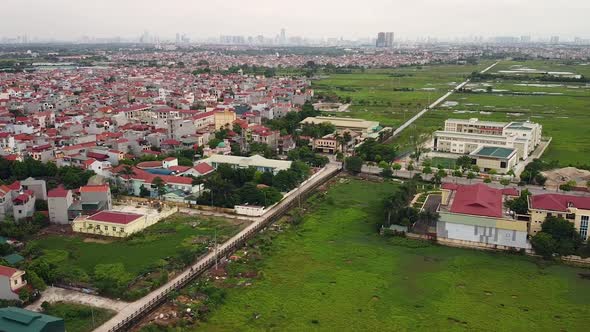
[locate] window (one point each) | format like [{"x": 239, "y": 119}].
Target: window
[{"x": 584, "y": 226}]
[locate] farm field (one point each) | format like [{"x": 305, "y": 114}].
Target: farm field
[
  {"x": 334, "y": 272},
  {"x": 78, "y": 317},
  {"x": 168, "y": 244},
  {"x": 373, "y": 91}
]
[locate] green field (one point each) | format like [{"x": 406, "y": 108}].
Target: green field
[
  {"x": 158, "y": 246},
  {"x": 78, "y": 317},
  {"x": 373, "y": 95},
  {"x": 334, "y": 272},
  {"x": 561, "y": 107}
]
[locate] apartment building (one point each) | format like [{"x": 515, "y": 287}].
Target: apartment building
[
  {"x": 576, "y": 209},
  {"x": 463, "y": 136}
]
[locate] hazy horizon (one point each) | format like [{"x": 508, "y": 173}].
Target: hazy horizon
[{"x": 68, "y": 19}]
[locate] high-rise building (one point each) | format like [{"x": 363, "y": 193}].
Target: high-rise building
[
  {"x": 283, "y": 38},
  {"x": 525, "y": 39},
  {"x": 554, "y": 40},
  {"x": 384, "y": 39}
]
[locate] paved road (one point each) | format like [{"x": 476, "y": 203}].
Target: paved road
[
  {"x": 133, "y": 307},
  {"x": 54, "y": 294},
  {"x": 374, "y": 170},
  {"x": 436, "y": 103}
]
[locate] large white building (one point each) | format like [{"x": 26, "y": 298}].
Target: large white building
[
  {"x": 464, "y": 136},
  {"x": 260, "y": 163}
]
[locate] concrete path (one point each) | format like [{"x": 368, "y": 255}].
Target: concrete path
[{"x": 54, "y": 294}]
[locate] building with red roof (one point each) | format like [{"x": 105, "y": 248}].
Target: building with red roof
[
  {"x": 473, "y": 215},
  {"x": 120, "y": 223},
  {"x": 575, "y": 209},
  {"x": 11, "y": 282}
]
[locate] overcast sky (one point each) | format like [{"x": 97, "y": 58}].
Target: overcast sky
[{"x": 71, "y": 19}]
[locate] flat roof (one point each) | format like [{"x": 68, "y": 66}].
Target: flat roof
[
  {"x": 494, "y": 152},
  {"x": 254, "y": 161}
]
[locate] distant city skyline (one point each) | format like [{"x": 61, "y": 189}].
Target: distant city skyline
[{"x": 199, "y": 20}]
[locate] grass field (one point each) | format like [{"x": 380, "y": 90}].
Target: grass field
[
  {"x": 78, "y": 317},
  {"x": 562, "y": 108},
  {"x": 334, "y": 272},
  {"x": 153, "y": 246},
  {"x": 373, "y": 91}
]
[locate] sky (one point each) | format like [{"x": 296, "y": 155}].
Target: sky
[{"x": 351, "y": 19}]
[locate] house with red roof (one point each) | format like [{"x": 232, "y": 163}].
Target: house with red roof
[
  {"x": 23, "y": 205},
  {"x": 474, "y": 216},
  {"x": 575, "y": 209},
  {"x": 11, "y": 282}
]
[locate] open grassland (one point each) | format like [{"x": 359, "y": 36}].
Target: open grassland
[
  {"x": 565, "y": 118},
  {"x": 334, "y": 272},
  {"x": 392, "y": 96},
  {"x": 78, "y": 317},
  {"x": 157, "y": 245}
]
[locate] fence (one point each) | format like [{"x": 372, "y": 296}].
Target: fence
[{"x": 226, "y": 249}]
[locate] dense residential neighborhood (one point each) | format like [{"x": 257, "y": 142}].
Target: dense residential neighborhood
[{"x": 172, "y": 167}]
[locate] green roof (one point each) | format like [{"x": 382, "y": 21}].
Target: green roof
[
  {"x": 221, "y": 145},
  {"x": 491, "y": 151},
  {"x": 21, "y": 320},
  {"x": 13, "y": 258}
]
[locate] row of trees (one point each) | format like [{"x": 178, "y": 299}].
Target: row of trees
[
  {"x": 70, "y": 177},
  {"x": 229, "y": 187}
]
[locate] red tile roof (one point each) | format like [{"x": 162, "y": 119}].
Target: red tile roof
[
  {"x": 94, "y": 188},
  {"x": 204, "y": 168},
  {"x": 479, "y": 200},
  {"x": 57, "y": 192},
  {"x": 115, "y": 217},
  {"x": 556, "y": 202},
  {"x": 7, "y": 271}
]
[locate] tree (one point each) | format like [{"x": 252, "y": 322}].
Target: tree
[
  {"x": 520, "y": 205},
  {"x": 470, "y": 176},
  {"x": 457, "y": 173},
  {"x": 159, "y": 185},
  {"x": 35, "y": 281},
  {"x": 382, "y": 164},
  {"x": 475, "y": 169},
  {"x": 387, "y": 173},
  {"x": 427, "y": 170},
  {"x": 464, "y": 162},
  {"x": 566, "y": 240},
  {"x": 544, "y": 244},
  {"x": 504, "y": 182},
  {"x": 487, "y": 180},
  {"x": 111, "y": 279},
  {"x": 396, "y": 167},
  {"x": 354, "y": 164},
  {"x": 127, "y": 171},
  {"x": 143, "y": 191}
]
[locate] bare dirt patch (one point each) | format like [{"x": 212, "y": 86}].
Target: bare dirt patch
[
  {"x": 557, "y": 177},
  {"x": 93, "y": 240}
]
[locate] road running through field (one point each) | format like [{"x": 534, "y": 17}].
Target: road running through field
[{"x": 436, "y": 103}]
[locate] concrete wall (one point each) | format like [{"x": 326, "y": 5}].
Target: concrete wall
[
  {"x": 482, "y": 234},
  {"x": 6, "y": 292}
]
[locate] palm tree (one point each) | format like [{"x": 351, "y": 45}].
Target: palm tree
[
  {"x": 128, "y": 172},
  {"x": 159, "y": 185}
]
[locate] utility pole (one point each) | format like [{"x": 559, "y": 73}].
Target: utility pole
[{"x": 215, "y": 246}]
